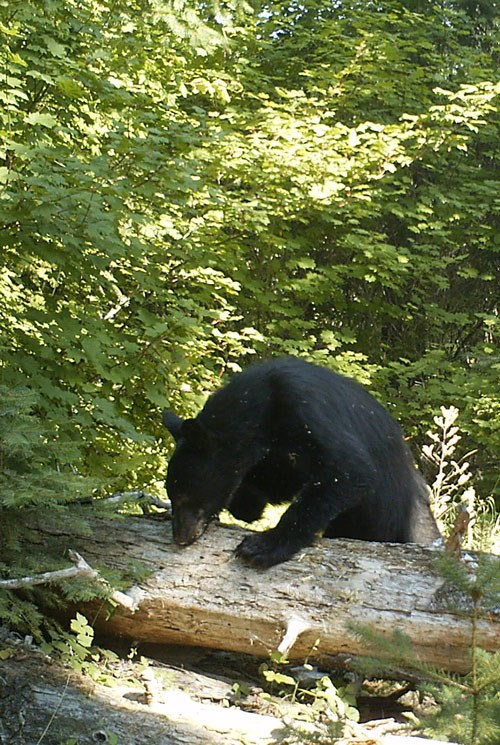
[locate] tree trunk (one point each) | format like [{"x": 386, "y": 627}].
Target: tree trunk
[{"x": 203, "y": 596}]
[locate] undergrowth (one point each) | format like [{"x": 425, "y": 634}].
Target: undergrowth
[{"x": 453, "y": 489}]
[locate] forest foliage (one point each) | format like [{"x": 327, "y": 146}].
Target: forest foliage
[{"x": 187, "y": 188}]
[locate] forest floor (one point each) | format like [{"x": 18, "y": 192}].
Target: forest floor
[{"x": 214, "y": 691}]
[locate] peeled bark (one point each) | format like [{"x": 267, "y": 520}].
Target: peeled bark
[{"x": 203, "y": 596}]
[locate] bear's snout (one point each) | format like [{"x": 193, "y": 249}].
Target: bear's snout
[{"x": 188, "y": 527}]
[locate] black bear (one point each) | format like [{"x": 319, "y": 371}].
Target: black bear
[{"x": 287, "y": 430}]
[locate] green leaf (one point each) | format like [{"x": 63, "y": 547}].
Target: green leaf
[{"x": 44, "y": 120}]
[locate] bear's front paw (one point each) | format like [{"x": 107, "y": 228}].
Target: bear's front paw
[{"x": 263, "y": 550}]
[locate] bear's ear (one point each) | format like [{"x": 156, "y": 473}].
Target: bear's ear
[
  {"x": 196, "y": 434},
  {"x": 173, "y": 423}
]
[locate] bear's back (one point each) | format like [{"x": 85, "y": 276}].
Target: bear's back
[{"x": 298, "y": 393}]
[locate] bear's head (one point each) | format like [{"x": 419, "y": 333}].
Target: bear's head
[{"x": 200, "y": 478}]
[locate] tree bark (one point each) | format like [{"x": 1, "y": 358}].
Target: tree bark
[{"x": 203, "y": 596}]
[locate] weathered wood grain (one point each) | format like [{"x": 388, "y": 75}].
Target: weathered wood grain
[{"x": 202, "y": 595}]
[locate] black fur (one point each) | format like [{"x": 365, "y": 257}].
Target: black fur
[{"x": 287, "y": 430}]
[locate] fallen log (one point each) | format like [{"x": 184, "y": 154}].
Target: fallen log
[
  {"x": 42, "y": 702},
  {"x": 203, "y": 596}
]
